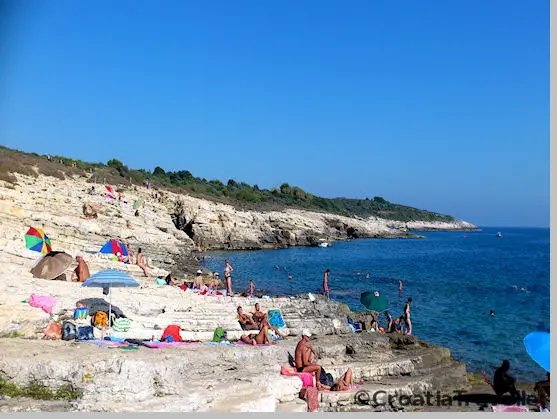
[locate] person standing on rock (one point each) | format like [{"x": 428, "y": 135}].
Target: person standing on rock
[
  {"x": 407, "y": 320},
  {"x": 227, "y": 277},
  {"x": 326, "y": 283}
]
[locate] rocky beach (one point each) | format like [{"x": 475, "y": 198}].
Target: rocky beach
[{"x": 170, "y": 228}]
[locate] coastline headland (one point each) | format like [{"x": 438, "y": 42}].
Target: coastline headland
[{"x": 170, "y": 228}]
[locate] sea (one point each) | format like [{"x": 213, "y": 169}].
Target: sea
[{"x": 453, "y": 278}]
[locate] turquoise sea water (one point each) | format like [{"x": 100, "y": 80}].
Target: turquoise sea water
[{"x": 454, "y": 279}]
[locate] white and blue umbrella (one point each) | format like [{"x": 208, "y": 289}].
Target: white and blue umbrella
[
  {"x": 537, "y": 346},
  {"x": 110, "y": 278}
]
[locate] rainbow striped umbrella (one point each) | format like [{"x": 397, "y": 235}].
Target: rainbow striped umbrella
[{"x": 37, "y": 240}]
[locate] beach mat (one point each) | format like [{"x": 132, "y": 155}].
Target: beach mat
[
  {"x": 505, "y": 408},
  {"x": 105, "y": 343},
  {"x": 169, "y": 344}
]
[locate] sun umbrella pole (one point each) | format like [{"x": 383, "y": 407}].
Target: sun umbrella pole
[{"x": 109, "y": 309}]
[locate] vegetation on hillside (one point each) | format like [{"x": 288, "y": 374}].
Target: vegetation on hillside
[{"x": 238, "y": 194}]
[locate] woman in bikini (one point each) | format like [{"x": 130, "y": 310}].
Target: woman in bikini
[
  {"x": 227, "y": 277},
  {"x": 343, "y": 383}
]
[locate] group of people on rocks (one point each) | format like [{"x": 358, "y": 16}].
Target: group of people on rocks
[{"x": 504, "y": 383}]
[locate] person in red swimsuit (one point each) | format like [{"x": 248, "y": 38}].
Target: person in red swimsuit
[{"x": 325, "y": 283}]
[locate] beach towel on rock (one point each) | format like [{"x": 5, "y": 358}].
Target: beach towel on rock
[
  {"x": 121, "y": 325},
  {"x": 173, "y": 331},
  {"x": 311, "y": 396},
  {"x": 275, "y": 318},
  {"x": 306, "y": 377},
  {"x": 43, "y": 302}
]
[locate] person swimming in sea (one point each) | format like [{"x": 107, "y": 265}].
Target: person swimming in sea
[{"x": 491, "y": 313}]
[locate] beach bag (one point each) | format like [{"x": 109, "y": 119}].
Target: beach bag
[
  {"x": 172, "y": 330},
  {"x": 219, "y": 335},
  {"x": 81, "y": 313},
  {"x": 53, "y": 331},
  {"x": 275, "y": 318},
  {"x": 85, "y": 333},
  {"x": 326, "y": 379},
  {"x": 68, "y": 331},
  {"x": 100, "y": 319},
  {"x": 160, "y": 281},
  {"x": 121, "y": 324}
]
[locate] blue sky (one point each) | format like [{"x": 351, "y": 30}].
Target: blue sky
[{"x": 441, "y": 105}]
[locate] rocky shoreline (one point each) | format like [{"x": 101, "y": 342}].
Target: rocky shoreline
[{"x": 171, "y": 229}]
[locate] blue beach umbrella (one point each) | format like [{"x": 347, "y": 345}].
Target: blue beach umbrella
[
  {"x": 537, "y": 346},
  {"x": 110, "y": 278}
]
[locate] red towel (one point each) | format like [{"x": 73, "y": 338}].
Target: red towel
[
  {"x": 311, "y": 396},
  {"x": 183, "y": 287},
  {"x": 174, "y": 331}
]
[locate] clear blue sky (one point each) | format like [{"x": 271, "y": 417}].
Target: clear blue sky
[{"x": 442, "y": 105}]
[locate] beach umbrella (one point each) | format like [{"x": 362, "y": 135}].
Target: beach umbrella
[
  {"x": 37, "y": 240},
  {"x": 373, "y": 301},
  {"x": 51, "y": 265},
  {"x": 137, "y": 203},
  {"x": 537, "y": 346},
  {"x": 113, "y": 247},
  {"x": 110, "y": 278}
]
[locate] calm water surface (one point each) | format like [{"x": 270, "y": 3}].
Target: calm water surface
[{"x": 454, "y": 279}]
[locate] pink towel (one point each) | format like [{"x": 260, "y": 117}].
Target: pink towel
[
  {"x": 311, "y": 396},
  {"x": 503, "y": 408},
  {"x": 169, "y": 344},
  {"x": 306, "y": 377},
  {"x": 43, "y": 302}
]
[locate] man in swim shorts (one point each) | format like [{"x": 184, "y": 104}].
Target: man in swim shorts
[{"x": 305, "y": 357}]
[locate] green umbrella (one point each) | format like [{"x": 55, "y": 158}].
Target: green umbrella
[{"x": 373, "y": 301}]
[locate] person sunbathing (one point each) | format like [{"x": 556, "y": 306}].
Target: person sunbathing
[
  {"x": 503, "y": 382},
  {"x": 81, "y": 272},
  {"x": 170, "y": 280},
  {"x": 305, "y": 358},
  {"x": 542, "y": 389},
  {"x": 142, "y": 263},
  {"x": 343, "y": 383},
  {"x": 261, "y": 319},
  {"x": 261, "y": 338},
  {"x": 245, "y": 320},
  {"x": 198, "y": 280}
]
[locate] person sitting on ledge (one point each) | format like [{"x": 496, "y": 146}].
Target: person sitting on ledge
[
  {"x": 542, "y": 392},
  {"x": 262, "y": 319},
  {"x": 305, "y": 358},
  {"x": 503, "y": 382},
  {"x": 198, "y": 280},
  {"x": 246, "y": 322},
  {"x": 81, "y": 272}
]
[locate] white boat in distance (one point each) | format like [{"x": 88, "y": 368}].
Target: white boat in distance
[{"x": 323, "y": 243}]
